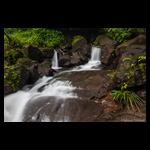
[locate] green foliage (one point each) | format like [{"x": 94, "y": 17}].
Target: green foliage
[
  {"x": 142, "y": 58},
  {"x": 12, "y": 55},
  {"x": 76, "y": 38},
  {"x": 41, "y": 37},
  {"x": 123, "y": 34},
  {"x": 128, "y": 97},
  {"x": 11, "y": 77}
]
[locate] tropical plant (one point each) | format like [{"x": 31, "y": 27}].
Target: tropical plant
[
  {"x": 128, "y": 97},
  {"x": 123, "y": 34}
]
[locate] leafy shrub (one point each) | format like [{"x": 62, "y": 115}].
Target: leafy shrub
[
  {"x": 11, "y": 77},
  {"x": 12, "y": 55},
  {"x": 38, "y": 36},
  {"x": 123, "y": 34}
]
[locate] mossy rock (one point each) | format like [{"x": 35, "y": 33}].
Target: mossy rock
[
  {"x": 97, "y": 41},
  {"x": 15, "y": 77},
  {"x": 25, "y": 62},
  {"x": 12, "y": 55},
  {"x": 79, "y": 42}
]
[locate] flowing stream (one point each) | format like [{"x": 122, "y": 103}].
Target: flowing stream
[{"x": 14, "y": 104}]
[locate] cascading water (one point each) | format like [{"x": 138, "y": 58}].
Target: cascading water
[
  {"x": 14, "y": 104},
  {"x": 55, "y": 61},
  {"x": 94, "y": 62}
]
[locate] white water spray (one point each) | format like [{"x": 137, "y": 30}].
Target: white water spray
[
  {"x": 55, "y": 61},
  {"x": 94, "y": 62},
  {"x": 14, "y": 104}
]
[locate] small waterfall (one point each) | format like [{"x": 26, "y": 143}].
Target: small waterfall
[
  {"x": 55, "y": 60},
  {"x": 95, "y": 54},
  {"x": 94, "y": 62}
]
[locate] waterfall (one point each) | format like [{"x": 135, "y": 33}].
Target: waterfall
[
  {"x": 15, "y": 104},
  {"x": 55, "y": 60},
  {"x": 95, "y": 54},
  {"x": 94, "y": 62}
]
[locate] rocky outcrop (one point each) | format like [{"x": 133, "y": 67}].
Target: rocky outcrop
[
  {"x": 33, "y": 73},
  {"x": 33, "y": 52},
  {"x": 47, "y": 52},
  {"x": 139, "y": 40},
  {"x": 59, "y": 110},
  {"x": 44, "y": 68},
  {"x": 64, "y": 61},
  {"x": 107, "y": 50}
]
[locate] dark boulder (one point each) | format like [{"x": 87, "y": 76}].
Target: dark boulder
[
  {"x": 79, "y": 44},
  {"x": 139, "y": 40},
  {"x": 33, "y": 52},
  {"x": 47, "y": 52},
  {"x": 33, "y": 73},
  {"x": 64, "y": 61},
  {"x": 44, "y": 68},
  {"x": 107, "y": 49}
]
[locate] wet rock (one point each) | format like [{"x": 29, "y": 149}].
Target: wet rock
[
  {"x": 64, "y": 61},
  {"x": 107, "y": 50},
  {"x": 33, "y": 73},
  {"x": 50, "y": 109},
  {"x": 44, "y": 68},
  {"x": 90, "y": 84}
]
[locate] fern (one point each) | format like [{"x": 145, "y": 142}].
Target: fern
[{"x": 129, "y": 98}]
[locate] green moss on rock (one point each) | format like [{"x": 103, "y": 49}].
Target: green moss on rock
[{"x": 77, "y": 38}]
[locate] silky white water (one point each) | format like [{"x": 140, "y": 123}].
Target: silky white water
[
  {"x": 93, "y": 63},
  {"x": 14, "y": 104},
  {"x": 55, "y": 61}
]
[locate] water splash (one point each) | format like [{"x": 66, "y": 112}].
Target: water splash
[
  {"x": 14, "y": 104},
  {"x": 94, "y": 63}
]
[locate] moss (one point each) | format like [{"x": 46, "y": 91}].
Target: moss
[
  {"x": 12, "y": 55},
  {"x": 100, "y": 37},
  {"x": 77, "y": 38},
  {"x": 11, "y": 77}
]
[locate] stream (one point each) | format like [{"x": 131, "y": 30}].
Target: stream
[{"x": 17, "y": 105}]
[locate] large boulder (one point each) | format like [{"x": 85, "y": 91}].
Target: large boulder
[
  {"x": 107, "y": 49},
  {"x": 129, "y": 70},
  {"x": 139, "y": 40},
  {"x": 33, "y": 73},
  {"x": 50, "y": 109},
  {"x": 79, "y": 42},
  {"x": 64, "y": 61},
  {"x": 33, "y": 52},
  {"x": 44, "y": 68},
  {"x": 47, "y": 52}
]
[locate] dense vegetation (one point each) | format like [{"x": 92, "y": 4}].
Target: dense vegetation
[
  {"x": 15, "y": 38},
  {"x": 38, "y": 36}
]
